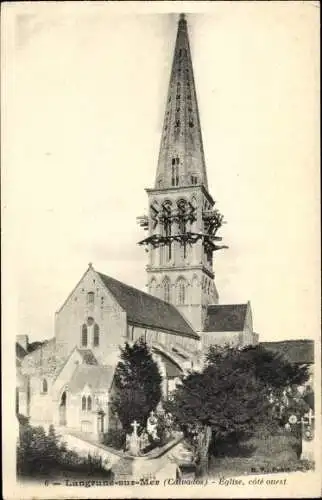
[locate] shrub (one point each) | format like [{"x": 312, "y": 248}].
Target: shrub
[
  {"x": 115, "y": 438},
  {"x": 39, "y": 454},
  {"x": 164, "y": 429}
]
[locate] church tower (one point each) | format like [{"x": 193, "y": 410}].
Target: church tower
[{"x": 182, "y": 222}]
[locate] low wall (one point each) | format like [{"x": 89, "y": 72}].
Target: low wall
[
  {"x": 83, "y": 448},
  {"x": 124, "y": 465}
]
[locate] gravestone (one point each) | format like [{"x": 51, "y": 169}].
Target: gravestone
[
  {"x": 307, "y": 424},
  {"x": 152, "y": 426},
  {"x": 134, "y": 441}
]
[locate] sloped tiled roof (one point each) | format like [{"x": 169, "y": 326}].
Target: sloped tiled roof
[
  {"x": 296, "y": 351},
  {"x": 172, "y": 369},
  {"x": 98, "y": 377},
  {"x": 226, "y": 318},
  {"x": 146, "y": 310},
  {"x": 88, "y": 356},
  {"x": 46, "y": 359}
]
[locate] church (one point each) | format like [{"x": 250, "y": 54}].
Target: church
[{"x": 68, "y": 380}]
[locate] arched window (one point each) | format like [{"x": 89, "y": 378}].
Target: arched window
[
  {"x": 195, "y": 290},
  {"x": 166, "y": 213},
  {"x": 84, "y": 336},
  {"x": 182, "y": 225},
  {"x": 89, "y": 403},
  {"x": 44, "y": 386},
  {"x": 90, "y": 298},
  {"x": 166, "y": 289},
  {"x": 181, "y": 291},
  {"x": 153, "y": 287},
  {"x": 96, "y": 339},
  {"x": 84, "y": 403}
]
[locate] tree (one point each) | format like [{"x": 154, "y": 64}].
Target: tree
[
  {"x": 35, "y": 345},
  {"x": 230, "y": 396},
  {"x": 137, "y": 385}
]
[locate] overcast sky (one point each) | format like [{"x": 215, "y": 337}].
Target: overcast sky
[{"x": 84, "y": 95}]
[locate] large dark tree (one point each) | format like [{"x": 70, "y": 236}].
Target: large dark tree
[
  {"x": 230, "y": 396},
  {"x": 137, "y": 385}
]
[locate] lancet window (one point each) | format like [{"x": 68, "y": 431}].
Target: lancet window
[
  {"x": 44, "y": 386},
  {"x": 182, "y": 205},
  {"x": 84, "y": 338},
  {"x": 181, "y": 290},
  {"x": 175, "y": 171},
  {"x": 167, "y": 228},
  {"x": 153, "y": 287},
  {"x": 86, "y": 403},
  {"x": 166, "y": 289},
  {"x": 96, "y": 338}
]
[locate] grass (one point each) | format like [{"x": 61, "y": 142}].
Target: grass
[{"x": 263, "y": 453}]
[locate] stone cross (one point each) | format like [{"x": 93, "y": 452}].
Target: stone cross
[
  {"x": 135, "y": 426},
  {"x": 308, "y": 436},
  {"x": 309, "y": 417}
]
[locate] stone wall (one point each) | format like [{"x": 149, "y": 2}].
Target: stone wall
[
  {"x": 101, "y": 306},
  {"x": 189, "y": 263},
  {"x": 167, "y": 339},
  {"x": 221, "y": 338}
]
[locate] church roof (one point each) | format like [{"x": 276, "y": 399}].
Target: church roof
[
  {"x": 45, "y": 359},
  {"x": 97, "y": 377},
  {"x": 296, "y": 351},
  {"x": 88, "y": 356},
  {"x": 146, "y": 310},
  {"x": 172, "y": 369},
  {"x": 20, "y": 351},
  {"x": 226, "y": 318}
]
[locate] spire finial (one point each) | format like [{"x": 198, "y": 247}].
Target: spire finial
[{"x": 181, "y": 156}]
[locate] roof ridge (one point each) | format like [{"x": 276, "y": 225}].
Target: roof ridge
[
  {"x": 230, "y": 304},
  {"x": 141, "y": 291},
  {"x": 131, "y": 286},
  {"x": 41, "y": 346},
  {"x": 115, "y": 287}
]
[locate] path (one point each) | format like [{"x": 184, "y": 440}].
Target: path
[{"x": 163, "y": 465}]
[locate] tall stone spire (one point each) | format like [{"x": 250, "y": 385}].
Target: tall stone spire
[
  {"x": 182, "y": 223},
  {"x": 181, "y": 158}
]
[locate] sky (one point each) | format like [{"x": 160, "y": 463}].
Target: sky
[{"x": 83, "y": 95}]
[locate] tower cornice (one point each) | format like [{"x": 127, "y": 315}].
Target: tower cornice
[
  {"x": 191, "y": 267},
  {"x": 181, "y": 189}
]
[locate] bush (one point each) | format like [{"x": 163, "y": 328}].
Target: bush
[
  {"x": 115, "y": 438},
  {"x": 257, "y": 465},
  {"x": 269, "y": 467},
  {"x": 40, "y": 454}
]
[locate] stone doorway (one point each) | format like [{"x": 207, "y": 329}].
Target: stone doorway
[{"x": 62, "y": 409}]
